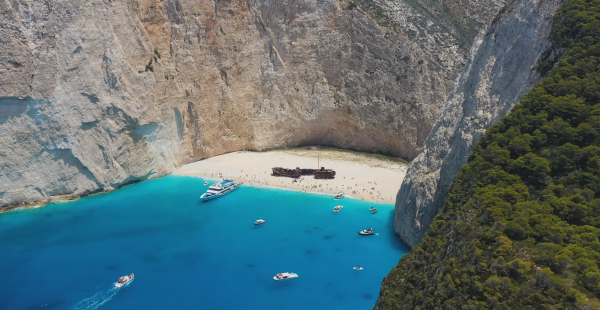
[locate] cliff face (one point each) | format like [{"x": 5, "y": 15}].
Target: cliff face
[
  {"x": 499, "y": 72},
  {"x": 444, "y": 29},
  {"x": 96, "y": 94}
]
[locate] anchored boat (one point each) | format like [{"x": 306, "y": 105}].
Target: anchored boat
[
  {"x": 366, "y": 232},
  {"x": 337, "y": 209},
  {"x": 219, "y": 189}
]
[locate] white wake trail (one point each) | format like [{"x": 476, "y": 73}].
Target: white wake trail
[{"x": 99, "y": 299}]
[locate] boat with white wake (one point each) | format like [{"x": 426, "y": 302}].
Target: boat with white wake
[
  {"x": 285, "y": 276},
  {"x": 358, "y": 268},
  {"x": 219, "y": 189},
  {"x": 124, "y": 280}
]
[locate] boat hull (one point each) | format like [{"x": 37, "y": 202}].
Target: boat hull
[
  {"x": 204, "y": 198},
  {"x": 292, "y": 276},
  {"x": 128, "y": 279}
]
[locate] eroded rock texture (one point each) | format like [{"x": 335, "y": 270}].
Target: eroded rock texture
[
  {"x": 444, "y": 29},
  {"x": 499, "y": 72},
  {"x": 95, "y": 94}
]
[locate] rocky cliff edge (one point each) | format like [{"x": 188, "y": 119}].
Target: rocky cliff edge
[{"x": 499, "y": 72}]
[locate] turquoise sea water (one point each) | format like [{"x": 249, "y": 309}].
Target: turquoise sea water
[{"x": 191, "y": 255}]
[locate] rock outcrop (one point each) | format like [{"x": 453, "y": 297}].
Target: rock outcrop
[
  {"x": 499, "y": 72},
  {"x": 96, "y": 94}
]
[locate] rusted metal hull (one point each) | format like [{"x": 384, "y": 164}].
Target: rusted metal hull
[
  {"x": 291, "y": 173},
  {"x": 325, "y": 174},
  {"x": 296, "y": 173}
]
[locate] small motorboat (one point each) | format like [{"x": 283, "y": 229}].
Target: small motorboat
[
  {"x": 358, "y": 268},
  {"x": 285, "y": 276},
  {"x": 124, "y": 280},
  {"x": 366, "y": 232},
  {"x": 372, "y": 208},
  {"x": 205, "y": 183},
  {"x": 258, "y": 222},
  {"x": 339, "y": 196},
  {"x": 337, "y": 209},
  {"x": 373, "y": 211}
]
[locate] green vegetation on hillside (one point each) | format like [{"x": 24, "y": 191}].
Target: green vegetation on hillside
[{"x": 520, "y": 228}]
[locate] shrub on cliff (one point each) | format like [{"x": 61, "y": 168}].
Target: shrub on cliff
[{"x": 520, "y": 228}]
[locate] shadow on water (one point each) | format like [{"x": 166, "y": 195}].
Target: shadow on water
[
  {"x": 112, "y": 267},
  {"x": 311, "y": 252},
  {"x": 395, "y": 242}
]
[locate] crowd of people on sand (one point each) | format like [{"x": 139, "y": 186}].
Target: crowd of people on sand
[{"x": 308, "y": 185}]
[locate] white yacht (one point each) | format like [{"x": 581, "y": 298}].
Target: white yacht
[
  {"x": 366, "y": 232},
  {"x": 339, "y": 196},
  {"x": 337, "y": 209},
  {"x": 219, "y": 189},
  {"x": 124, "y": 280},
  {"x": 285, "y": 276},
  {"x": 358, "y": 268},
  {"x": 258, "y": 222},
  {"x": 205, "y": 183}
]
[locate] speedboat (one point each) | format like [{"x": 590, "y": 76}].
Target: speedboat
[
  {"x": 205, "y": 183},
  {"x": 358, "y": 268},
  {"x": 258, "y": 222},
  {"x": 372, "y": 208},
  {"x": 337, "y": 209},
  {"x": 366, "y": 232},
  {"x": 373, "y": 211},
  {"x": 219, "y": 189},
  {"x": 285, "y": 276},
  {"x": 124, "y": 280},
  {"x": 339, "y": 196}
]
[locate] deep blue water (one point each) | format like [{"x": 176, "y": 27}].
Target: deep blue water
[{"x": 191, "y": 255}]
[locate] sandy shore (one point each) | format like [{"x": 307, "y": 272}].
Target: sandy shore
[{"x": 361, "y": 176}]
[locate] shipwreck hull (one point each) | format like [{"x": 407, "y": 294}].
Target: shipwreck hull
[{"x": 296, "y": 173}]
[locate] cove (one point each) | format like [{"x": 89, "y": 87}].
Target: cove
[{"x": 192, "y": 255}]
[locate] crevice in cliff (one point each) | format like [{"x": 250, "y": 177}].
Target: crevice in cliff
[{"x": 67, "y": 158}]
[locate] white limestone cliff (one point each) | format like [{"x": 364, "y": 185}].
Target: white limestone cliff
[
  {"x": 499, "y": 72},
  {"x": 100, "y": 93}
]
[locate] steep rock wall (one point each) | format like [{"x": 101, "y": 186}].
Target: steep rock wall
[
  {"x": 96, "y": 94},
  {"x": 444, "y": 29},
  {"x": 497, "y": 75}
]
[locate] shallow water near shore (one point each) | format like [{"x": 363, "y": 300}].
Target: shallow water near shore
[{"x": 192, "y": 255}]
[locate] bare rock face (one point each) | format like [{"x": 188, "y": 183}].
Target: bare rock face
[
  {"x": 100, "y": 93},
  {"x": 499, "y": 72},
  {"x": 444, "y": 29}
]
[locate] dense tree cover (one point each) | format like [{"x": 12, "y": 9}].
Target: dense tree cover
[{"x": 520, "y": 227}]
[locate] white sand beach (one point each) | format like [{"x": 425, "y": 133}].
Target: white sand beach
[{"x": 362, "y": 176}]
